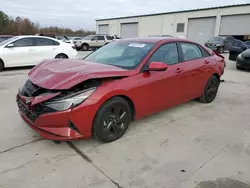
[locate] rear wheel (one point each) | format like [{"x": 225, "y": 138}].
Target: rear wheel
[
  {"x": 1, "y": 65},
  {"x": 112, "y": 120},
  {"x": 210, "y": 90},
  {"x": 61, "y": 56}
]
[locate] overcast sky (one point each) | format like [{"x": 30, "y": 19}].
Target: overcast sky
[{"x": 78, "y": 14}]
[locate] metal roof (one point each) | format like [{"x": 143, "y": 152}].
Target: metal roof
[{"x": 181, "y": 11}]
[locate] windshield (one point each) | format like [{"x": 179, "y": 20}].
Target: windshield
[
  {"x": 7, "y": 41},
  {"x": 123, "y": 54},
  {"x": 88, "y": 37},
  {"x": 216, "y": 39}
]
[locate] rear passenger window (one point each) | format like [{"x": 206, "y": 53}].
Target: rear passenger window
[
  {"x": 167, "y": 54},
  {"x": 190, "y": 51},
  {"x": 46, "y": 42}
]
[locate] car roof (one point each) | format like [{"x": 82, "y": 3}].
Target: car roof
[
  {"x": 6, "y": 35},
  {"x": 36, "y": 36},
  {"x": 156, "y": 39}
]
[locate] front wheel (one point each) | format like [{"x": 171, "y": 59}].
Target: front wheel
[
  {"x": 210, "y": 90},
  {"x": 112, "y": 120},
  {"x": 1, "y": 65}
]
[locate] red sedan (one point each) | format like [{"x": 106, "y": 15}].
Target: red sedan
[{"x": 120, "y": 82}]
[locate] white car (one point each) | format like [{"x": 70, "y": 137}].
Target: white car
[
  {"x": 31, "y": 50},
  {"x": 92, "y": 41}
]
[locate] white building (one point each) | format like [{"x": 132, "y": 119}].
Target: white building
[{"x": 197, "y": 25}]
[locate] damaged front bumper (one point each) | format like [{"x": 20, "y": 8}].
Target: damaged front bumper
[{"x": 71, "y": 124}]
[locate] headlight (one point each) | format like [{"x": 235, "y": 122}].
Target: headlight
[
  {"x": 218, "y": 44},
  {"x": 239, "y": 56},
  {"x": 70, "y": 101}
]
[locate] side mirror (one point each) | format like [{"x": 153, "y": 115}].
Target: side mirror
[
  {"x": 157, "y": 66},
  {"x": 10, "y": 45},
  {"x": 92, "y": 39}
]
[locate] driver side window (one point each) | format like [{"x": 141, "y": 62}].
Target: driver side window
[{"x": 167, "y": 53}]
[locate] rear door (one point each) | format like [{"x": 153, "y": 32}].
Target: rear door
[
  {"x": 195, "y": 74},
  {"x": 45, "y": 49},
  {"x": 22, "y": 53},
  {"x": 237, "y": 47}
]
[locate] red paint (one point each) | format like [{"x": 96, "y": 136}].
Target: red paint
[{"x": 150, "y": 91}]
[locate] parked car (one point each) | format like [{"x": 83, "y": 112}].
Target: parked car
[
  {"x": 120, "y": 82},
  {"x": 30, "y": 50},
  {"x": 73, "y": 40},
  {"x": 114, "y": 37},
  {"x": 220, "y": 43},
  {"x": 93, "y": 41},
  {"x": 247, "y": 43},
  {"x": 5, "y": 37},
  {"x": 240, "y": 52}
]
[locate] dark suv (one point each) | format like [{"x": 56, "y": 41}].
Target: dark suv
[{"x": 220, "y": 43}]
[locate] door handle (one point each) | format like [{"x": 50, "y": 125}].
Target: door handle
[
  {"x": 179, "y": 70},
  {"x": 207, "y": 62},
  {"x": 31, "y": 50}
]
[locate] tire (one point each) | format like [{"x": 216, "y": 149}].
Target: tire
[
  {"x": 1, "y": 65},
  {"x": 210, "y": 90},
  {"x": 221, "y": 50},
  {"x": 85, "y": 47},
  {"x": 112, "y": 120},
  {"x": 239, "y": 68},
  {"x": 61, "y": 56}
]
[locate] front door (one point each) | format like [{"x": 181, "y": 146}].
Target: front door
[
  {"x": 161, "y": 89},
  {"x": 237, "y": 47},
  {"x": 20, "y": 52}
]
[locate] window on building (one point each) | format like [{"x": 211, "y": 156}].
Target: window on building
[{"x": 180, "y": 27}]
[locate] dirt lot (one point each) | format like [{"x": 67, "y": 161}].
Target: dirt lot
[{"x": 187, "y": 146}]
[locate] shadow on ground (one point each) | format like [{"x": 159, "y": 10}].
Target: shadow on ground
[{"x": 223, "y": 183}]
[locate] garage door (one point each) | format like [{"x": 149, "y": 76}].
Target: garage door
[
  {"x": 104, "y": 29},
  {"x": 129, "y": 30},
  {"x": 235, "y": 25},
  {"x": 201, "y": 29}
]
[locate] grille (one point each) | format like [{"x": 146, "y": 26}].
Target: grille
[
  {"x": 247, "y": 58},
  {"x": 33, "y": 112},
  {"x": 31, "y": 115}
]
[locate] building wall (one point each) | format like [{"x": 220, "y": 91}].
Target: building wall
[{"x": 167, "y": 23}]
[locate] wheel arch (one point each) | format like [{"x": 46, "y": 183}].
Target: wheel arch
[
  {"x": 62, "y": 54},
  {"x": 85, "y": 43},
  {"x": 128, "y": 99},
  {"x": 2, "y": 62},
  {"x": 217, "y": 76}
]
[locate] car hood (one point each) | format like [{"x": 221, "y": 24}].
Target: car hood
[
  {"x": 246, "y": 53},
  {"x": 63, "y": 74}
]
